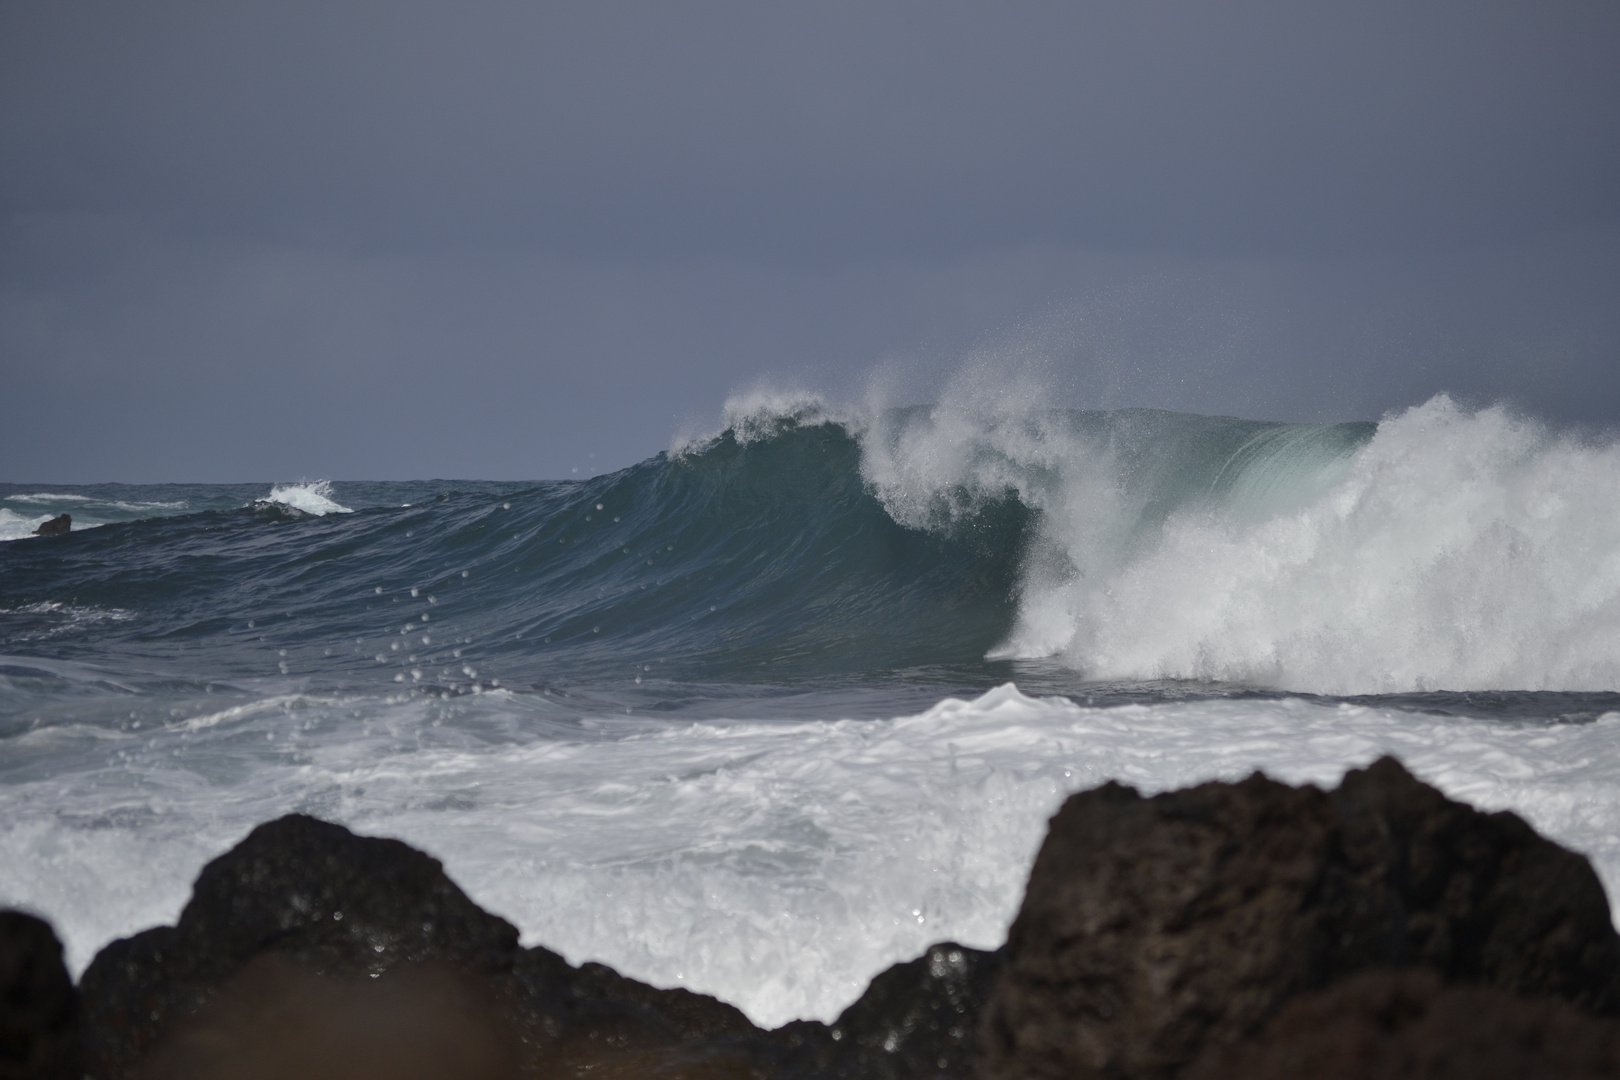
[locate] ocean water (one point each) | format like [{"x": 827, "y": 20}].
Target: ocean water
[{"x": 768, "y": 712}]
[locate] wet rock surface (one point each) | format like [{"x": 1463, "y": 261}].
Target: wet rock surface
[
  {"x": 1216, "y": 929},
  {"x": 917, "y": 1019},
  {"x": 1408, "y": 1025},
  {"x": 304, "y": 911},
  {"x": 39, "y": 1015},
  {"x": 1155, "y": 928}
]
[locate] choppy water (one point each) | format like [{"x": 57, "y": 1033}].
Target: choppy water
[{"x": 738, "y": 717}]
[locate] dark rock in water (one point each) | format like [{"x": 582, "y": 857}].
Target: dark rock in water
[
  {"x": 917, "y": 1019},
  {"x": 1409, "y": 1026},
  {"x": 310, "y": 893},
  {"x": 332, "y": 949},
  {"x": 56, "y": 526},
  {"x": 39, "y": 1013},
  {"x": 1155, "y": 928}
]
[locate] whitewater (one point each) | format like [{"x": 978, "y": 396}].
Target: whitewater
[{"x": 775, "y": 709}]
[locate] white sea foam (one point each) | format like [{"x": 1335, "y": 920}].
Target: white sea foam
[
  {"x": 54, "y": 619},
  {"x": 309, "y": 496},
  {"x": 777, "y": 865},
  {"x": 47, "y": 497},
  {"x": 15, "y": 526},
  {"x": 1455, "y": 550},
  {"x": 137, "y": 507}
]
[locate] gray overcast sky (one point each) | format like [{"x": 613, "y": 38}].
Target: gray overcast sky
[{"x": 504, "y": 240}]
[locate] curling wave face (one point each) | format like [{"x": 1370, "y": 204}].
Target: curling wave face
[{"x": 1441, "y": 550}]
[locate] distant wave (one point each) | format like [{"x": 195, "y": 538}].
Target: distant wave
[
  {"x": 313, "y": 497},
  {"x": 46, "y": 497}
]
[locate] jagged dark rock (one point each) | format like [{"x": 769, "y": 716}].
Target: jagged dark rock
[
  {"x": 1408, "y": 1025},
  {"x": 304, "y": 911},
  {"x": 58, "y": 525},
  {"x": 917, "y": 1019},
  {"x": 1153, "y": 929},
  {"x": 39, "y": 1015}
]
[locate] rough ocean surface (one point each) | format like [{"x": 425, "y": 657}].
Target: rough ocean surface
[{"x": 782, "y": 707}]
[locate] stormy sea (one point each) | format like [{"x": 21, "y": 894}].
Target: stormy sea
[{"x": 779, "y": 707}]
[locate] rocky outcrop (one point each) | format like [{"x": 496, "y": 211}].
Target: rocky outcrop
[
  {"x": 39, "y": 1016},
  {"x": 1213, "y": 929},
  {"x": 1155, "y": 928},
  {"x": 916, "y": 1020},
  {"x": 58, "y": 525},
  {"x": 1408, "y": 1025},
  {"x": 361, "y": 949}
]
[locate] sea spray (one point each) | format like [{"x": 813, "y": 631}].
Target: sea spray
[{"x": 1451, "y": 551}]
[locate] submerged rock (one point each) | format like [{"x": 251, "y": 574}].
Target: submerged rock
[
  {"x": 1408, "y": 1025},
  {"x": 39, "y": 1016},
  {"x": 1155, "y": 928}
]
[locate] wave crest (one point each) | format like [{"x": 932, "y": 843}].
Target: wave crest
[{"x": 313, "y": 497}]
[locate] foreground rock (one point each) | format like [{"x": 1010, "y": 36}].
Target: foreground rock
[
  {"x": 308, "y": 950},
  {"x": 1409, "y": 1026},
  {"x": 39, "y": 1017},
  {"x": 1196, "y": 926},
  {"x": 1155, "y": 928},
  {"x": 917, "y": 1019}
]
